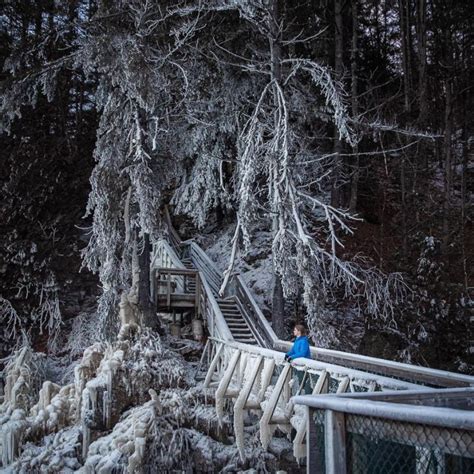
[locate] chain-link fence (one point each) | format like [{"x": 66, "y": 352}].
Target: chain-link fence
[
  {"x": 380, "y": 446},
  {"x": 376, "y": 445},
  {"x": 390, "y": 438}
]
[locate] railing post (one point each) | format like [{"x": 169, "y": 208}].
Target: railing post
[
  {"x": 168, "y": 292},
  {"x": 198, "y": 293},
  {"x": 335, "y": 437}
]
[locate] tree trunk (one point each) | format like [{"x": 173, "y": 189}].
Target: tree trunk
[
  {"x": 278, "y": 300},
  {"x": 421, "y": 40},
  {"x": 338, "y": 68},
  {"x": 144, "y": 291},
  {"x": 278, "y": 308},
  {"x": 448, "y": 132},
  {"x": 355, "y": 106},
  {"x": 404, "y": 207},
  {"x": 405, "y": 39}
]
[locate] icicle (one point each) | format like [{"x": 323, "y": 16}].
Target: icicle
[{"x": 12, "y": 434}]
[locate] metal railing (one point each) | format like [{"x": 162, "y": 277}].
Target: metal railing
[{"x": 416, "y": 431}]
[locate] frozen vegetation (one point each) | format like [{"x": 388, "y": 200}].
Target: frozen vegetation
[{"x": 132, "y": 406}]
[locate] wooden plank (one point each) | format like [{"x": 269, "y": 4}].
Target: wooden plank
[
  {"x": 343, "y": 384},
  {"x": 168, "y": 292},
  {"x": 201, "y": 360},
  {"x": 198, "y": 295},
  {"x": 229, "y": 371},
  {"x": 240, "y": 404},
  {"x": 335, "y": 442}
]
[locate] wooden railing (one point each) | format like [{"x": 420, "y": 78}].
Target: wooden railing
[
  {"x": 173, "y": 236},
  {"x": 163, "y": 256},
  {"x": 212, "y": 314},
  {"x": 167, "y": 287},
  {"x": 257, "y": 378},
  {"x": 387, "y": 368},
  {"x": 204, "y": 264},
  {"x": 266, "y": 337}
]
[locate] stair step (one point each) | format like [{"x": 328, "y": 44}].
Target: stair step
[
  {"x": 235, "y": 320},
  {"x": 238, "y": 327},
  {"x": 246, "y": 341},
  {"x": 242, "y": 334}
]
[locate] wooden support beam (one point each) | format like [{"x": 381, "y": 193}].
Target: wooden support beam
[
  {"x": 224, "y": 384},
  {"x": 239, "y": 405},
  {"x": 213, "y": 365},
  {"x": 266, "y": 419},
  {"x": 201, "y": 360},
  {"x": 198, "y": 295},
  {"x": 343, "y": 384},
  {"x": 168, "y": 291}
]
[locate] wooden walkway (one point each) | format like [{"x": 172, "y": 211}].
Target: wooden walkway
[{"x": 243, "y": 361}]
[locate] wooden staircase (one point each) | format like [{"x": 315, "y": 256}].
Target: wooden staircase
[
  {"x": 229, "y": 307},
  {"x": 235, "y": 321},
  {"x": 191, "y": 284}
]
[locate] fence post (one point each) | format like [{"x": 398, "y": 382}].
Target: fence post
[
  {"x": 313, "y": 465},
  {"x": 335, "y": 437}
]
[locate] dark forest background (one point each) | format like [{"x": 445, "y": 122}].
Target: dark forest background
[{"x": 407, "y": 69}]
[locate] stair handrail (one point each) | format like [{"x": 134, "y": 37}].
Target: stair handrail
[
  {"x": 383, "y": 367},
  {"x": 204, "y": 264},
  {"x": 162, "y": 245},
  {"x": 163, "y": 256},
  {"x": 174, "y": 237},
  {"x": 216, "y": 323},
  {"x": 256, "y": 321},
  {"x": 247, "y": 301},
  {"x": 334, "y": 370}
]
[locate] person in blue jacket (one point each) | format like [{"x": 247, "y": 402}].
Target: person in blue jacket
[{"x": 301, "y": 345}]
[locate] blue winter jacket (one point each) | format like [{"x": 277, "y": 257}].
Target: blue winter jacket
[{"x": 300, "y": 348}]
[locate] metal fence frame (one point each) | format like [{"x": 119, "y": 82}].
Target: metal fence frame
[{"x": 443, "y": 409}]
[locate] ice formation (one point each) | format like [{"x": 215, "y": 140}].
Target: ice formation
[{"x": 133, "y": 406}]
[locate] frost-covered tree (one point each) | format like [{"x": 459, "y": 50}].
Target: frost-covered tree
[{"x": 283, "y": 172}]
